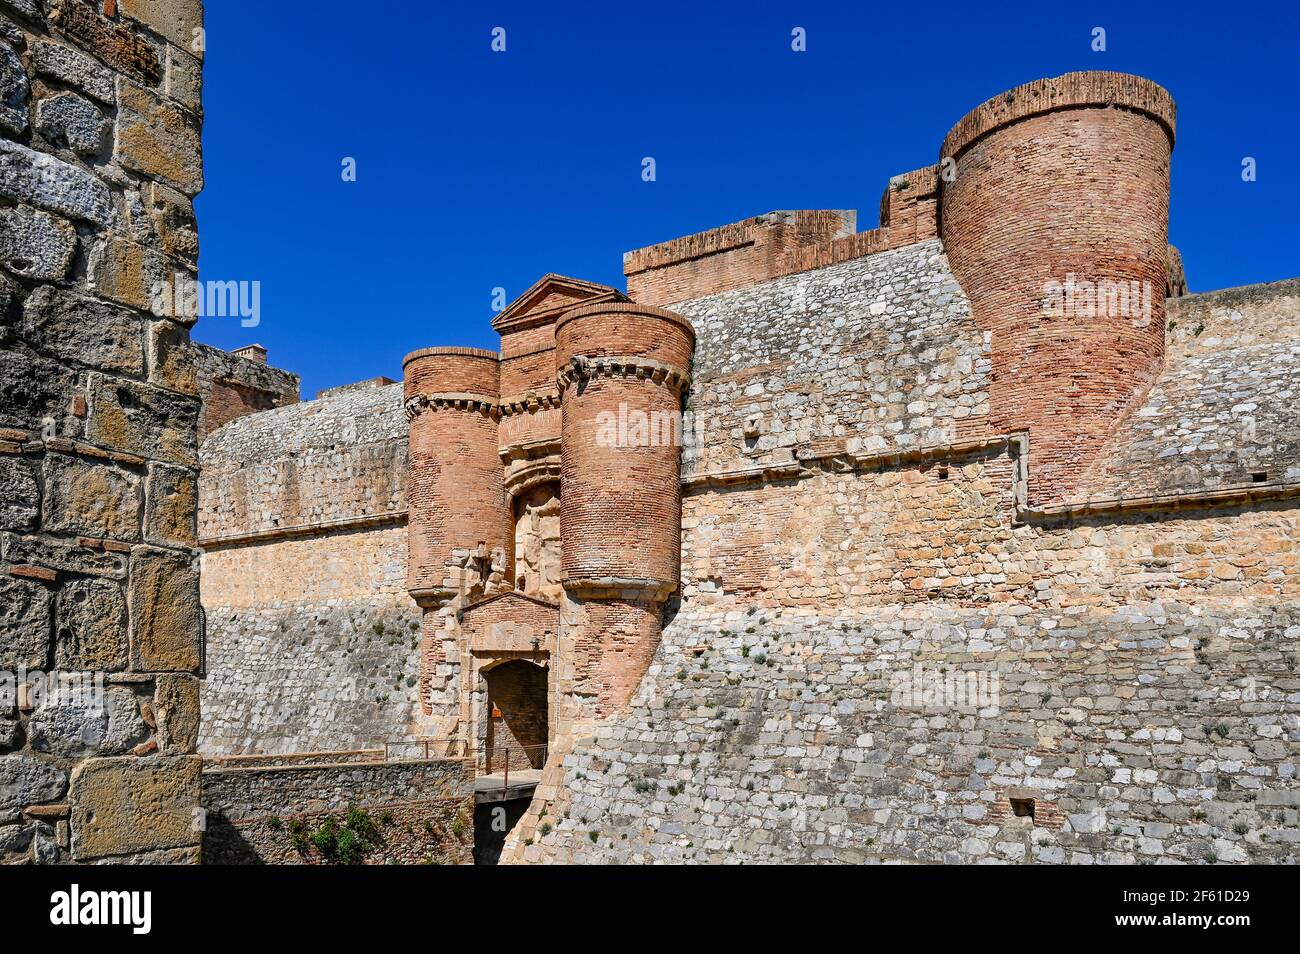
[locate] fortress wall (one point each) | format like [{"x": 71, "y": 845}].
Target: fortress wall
[
  {"x": 1146, "y": 692},
  {"x": 312, "y": 637},
  {"x": 232, "y": 384},
  {"x": 880, "y": 349},
  {"x": 100, "y": 160}
]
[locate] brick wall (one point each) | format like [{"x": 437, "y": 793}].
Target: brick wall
[
  {"x": 99, "y": 162},
  {"x": 232, "y": 385}
]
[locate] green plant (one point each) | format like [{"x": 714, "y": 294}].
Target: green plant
[
  {"x": 349, "y": 847},
  {"x": 325, "y": 837},
  {"x": 274, "y": 823},
  {"x": 594, "y": 836},
  {"x": 361, "y": 824},
  {"x": 546, "y": 830}
]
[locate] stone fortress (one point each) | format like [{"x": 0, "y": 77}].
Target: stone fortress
[
  {"x": 903, "y": 468},
  {"x": 968, "y": 538}
]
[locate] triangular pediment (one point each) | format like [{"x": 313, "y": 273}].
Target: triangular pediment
[
  {"x": 551, "y": 296},
  {"x": 509, "y": 596}
]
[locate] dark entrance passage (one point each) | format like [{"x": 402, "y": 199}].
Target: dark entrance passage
[
  {"x": 516, "y": 718},
  {"x": 492, "y": 822}
]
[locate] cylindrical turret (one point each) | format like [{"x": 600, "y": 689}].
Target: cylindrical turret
[
  {"x": 622, "y": 369},
  {"x": 1054, "y": 215},
  {"x": 458, "y": 515}
]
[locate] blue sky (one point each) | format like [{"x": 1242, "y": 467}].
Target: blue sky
[{"x": 478, "y": 170}]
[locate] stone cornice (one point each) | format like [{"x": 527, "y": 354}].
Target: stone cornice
[
  {"x": 481, "y": 403},
  {"x": 622, "y": 366}
]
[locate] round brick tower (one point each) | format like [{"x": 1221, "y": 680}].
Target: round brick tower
[
  {"x": 1055, "y": 220},
  {"x": 456, "y": 499},
  {"x": 621, "y": 371}
]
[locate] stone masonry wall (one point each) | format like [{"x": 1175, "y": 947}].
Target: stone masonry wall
[
  {"x": 417, "y": 812},
  {"x": 100, "y": 118},
  {"x": 313, "y": 641},
  {"x": 1134, "y": 676}
]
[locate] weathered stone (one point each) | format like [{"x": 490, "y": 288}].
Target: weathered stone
[
  {"x": 14, "y": 90},
  {"x": 27, "y": 8},
  {"x": 143, "y": 420},
  {"x": 125, "y": 805},
  {"x": 14, "y": 839},
  {"x": 74, "y": 68},
  {"x": 91, "y": 627},
  {"x": 20, "y": 496},
  {"x": 83, "y": 726},
  {"x": 26, "y": 608},
  {"x": 34, "y": 390},
  {"x": 166, "y": 619},
  {"x": 25, "y": 780},
  {"x": 30, "y": 176},
  {"x": 114, "y": 43},
  {"x": 180, "y": 21},
  {"x": 174, "y": 219},
  {"x": 176, "y": 702},
  {"x": 84, "y": 330},
  {"x": 171, "y": 358},
  {"x": 73, "y": 556},
  {"x": 184, "y": 79},
  {"x": 158, "y": 140},
  {"x": 8, "y": 732},
  {"x": 171, "y": 502},
  {"x": 68, "y": 119},
  {"x": 35, "y": 244},
  {"x": 90, "y": 498},
  {"x": 128, "y": 272}
]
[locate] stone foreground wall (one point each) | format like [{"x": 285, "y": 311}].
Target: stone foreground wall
[
  {"x": 99, "y": 161},
  {"x": 313, "y": 642},
  {"x": 1134, "y": 676},
  {"x": 418, "y": 812}
]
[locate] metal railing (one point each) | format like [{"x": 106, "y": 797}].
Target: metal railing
[
  {"x": 426, "y": 749},
  {"x": 534, "y": 756}
]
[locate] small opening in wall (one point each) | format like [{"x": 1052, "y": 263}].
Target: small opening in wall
[
  {"x": 1023, "y": 808},
  {"x": 1259, "y": 476},
  {"x": 943, "y": 472}
]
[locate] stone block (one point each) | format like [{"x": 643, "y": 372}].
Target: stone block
[
  {"x": 26, "y": 780},
  {"x": 176, "y": 704},
  {"x": 143, "y": 420},
  {"x": 173, "y": 215},
  {"x": 166, "y": 618},
  {"x": 84, "y": 330},
  {"x": 128, "y": 272},
  {"x": 14, "y": 90},
  {"x": 9, "y": 731},
  {"x": 90, "y": 498},
  {"x": 32, "y": 390},
  {"x": 158, "y": 140},
  {"x": 114, "y": 43},
  {"x": 26, "y": 612},
  {"x": 177, "y": 20},
  {"x": 27, "y": 8},
  {"x": 171, "y": 505},
  {"x": 171, "y": 358},
  {"x": 184, "y": 79},
  {"x": 20, "y": 496},
  {"x": 81, "y": 726},
  {"x": 90, "y": 629},
  {"x": 125, "y": 805},
  {"x": 35, "y": 244},
  {"x": 30, "y": 176},
  {"x": 67, "y": 119},
  {"x": 74, "y": 68},
  {"x": 84, "y": 557}
]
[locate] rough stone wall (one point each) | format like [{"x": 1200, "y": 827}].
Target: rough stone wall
[
  {"x": 1142, "y": 671},
  {"x": 99, "y": 161},
  {"x": 312, "y": 639},
  {"x": 414, "y": 812},
  {"x": 881, "y": 349},
  {"x": 232, "y": 385}
]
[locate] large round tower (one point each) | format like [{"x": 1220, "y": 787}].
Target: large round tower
[
  {"x": 1054, "y": 214},
  {"x": 621, "y": 371},
  {"x": 458, "y": 515}
]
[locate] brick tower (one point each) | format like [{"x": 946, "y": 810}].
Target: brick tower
[
  {"x": 621, "y": 371},
  {"x": 1054, "y": 214}
]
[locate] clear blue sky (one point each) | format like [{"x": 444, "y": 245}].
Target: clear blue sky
[{"x": 478, "y": 169}]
